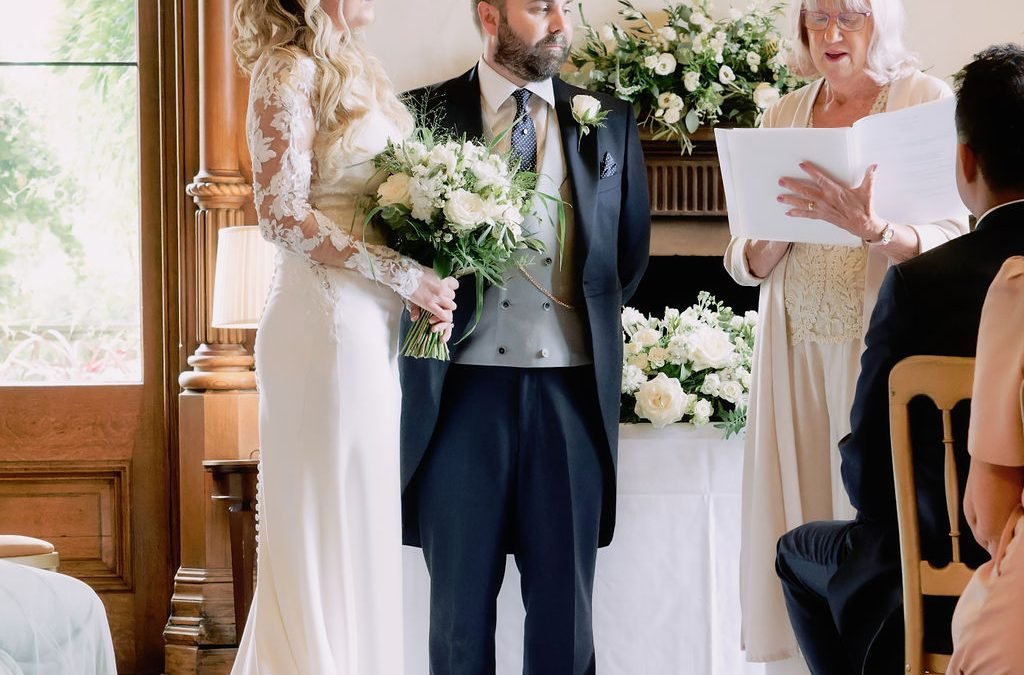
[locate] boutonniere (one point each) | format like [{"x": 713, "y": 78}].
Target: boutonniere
[{"x": 586, "y": 110}]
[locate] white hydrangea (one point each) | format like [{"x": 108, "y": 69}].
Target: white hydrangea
[{"x": 632, "y": 378}]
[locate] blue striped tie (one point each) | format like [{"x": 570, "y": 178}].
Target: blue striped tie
[{"x": 524, "y": 134}]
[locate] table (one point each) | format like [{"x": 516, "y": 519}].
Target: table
[
  {"x": 666, "y": 596},
  {"x": 234, "y": 482}
]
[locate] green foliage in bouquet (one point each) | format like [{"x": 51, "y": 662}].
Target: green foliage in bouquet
[
  {"x": 689, "y": 366},
  {"x": 689, "y": 70}
]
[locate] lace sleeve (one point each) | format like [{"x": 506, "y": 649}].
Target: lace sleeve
[{"x": 280, "y": 131}]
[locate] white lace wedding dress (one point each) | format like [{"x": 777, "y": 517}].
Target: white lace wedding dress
[{"x": 328, "y": 594}]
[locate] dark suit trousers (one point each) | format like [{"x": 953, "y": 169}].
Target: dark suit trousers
[
  {"x": 807, "y": 559},
  {"x": 516, "y": 465}
]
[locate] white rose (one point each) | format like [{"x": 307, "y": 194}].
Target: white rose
[
  {"x": 661, "y": 401},
  {"x": 668, "y": 33},
  {"x": 691, "y": 80},
  {"x": 465, "y": 210},
  {"x": 753, "y": 60},
  {"x": 444, "y": 157},
  {"x": 607, "y": 32},
  {"x": 414, "y": 152},
  {"x": 639, "y": 360},
  {"x": 651, "y": 62},
  {"x": 712, "y": 385},
  {"x": 698, "y": 19},
  {"x": 632, "y": 378},
  {"x": 631, "y": 318},
  {"x": 632, "y": 349},
  {"x": 666, "y": 64},
  {"x": 731, "y": 391},
  {"x": 395, "y": 190},
  {"x": 487, "y": 174},
  {"x": 711, "y": 348},
  {"x": 657, "y": 357},
  {"x": 672, "y": 115},
  {"x": 764, "y": 96},
  {"x": 702, "y": 412},
  {"x": 647, "y": 337},
  {"x": 585, "y": 108},
  {"x": 725, "y": 75}
]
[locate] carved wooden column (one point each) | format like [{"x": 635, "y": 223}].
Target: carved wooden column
[{"x": 218, "y": 404}]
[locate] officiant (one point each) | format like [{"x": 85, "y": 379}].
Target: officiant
[{"x": 814, "y": 299}]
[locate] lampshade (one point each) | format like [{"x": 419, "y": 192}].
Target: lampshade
[{"x": 245, "y": 268}]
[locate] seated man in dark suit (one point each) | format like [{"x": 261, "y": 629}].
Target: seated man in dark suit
[{"x": 842, "y": 579}]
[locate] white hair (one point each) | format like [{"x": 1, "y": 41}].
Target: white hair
[{"x": 888, "y": 57}]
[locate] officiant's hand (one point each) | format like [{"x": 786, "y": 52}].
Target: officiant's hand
[{"x": 820, "y": 197}]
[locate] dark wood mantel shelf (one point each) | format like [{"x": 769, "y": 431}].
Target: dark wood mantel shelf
[{"x": 687, "y": 198}]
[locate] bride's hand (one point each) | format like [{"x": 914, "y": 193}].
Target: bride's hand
[{"x": 436, "y": 296}]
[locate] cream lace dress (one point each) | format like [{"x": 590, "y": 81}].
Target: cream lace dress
[
  {"x": 328, "y": 594},
  {"x": 813, "y": 308}
]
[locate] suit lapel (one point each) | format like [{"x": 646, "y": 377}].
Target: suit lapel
[{"x": 581, "y": 165}]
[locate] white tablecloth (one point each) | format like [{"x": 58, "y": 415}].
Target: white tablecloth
[
  {"x": 666, "y": 599},
  {"x": 51, "y": 624}
]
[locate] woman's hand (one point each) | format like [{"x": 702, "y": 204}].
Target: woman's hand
[
  {"x": 436, "y": 296},
  {"x": 822, "y": 198},
  {"x": 992, "y": 493}
]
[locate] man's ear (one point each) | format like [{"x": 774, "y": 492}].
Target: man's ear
[
  {"x": 968, "y": 161},
  {"x": 489, "y": 16}
]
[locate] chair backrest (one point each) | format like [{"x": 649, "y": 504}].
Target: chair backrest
[{"x": 946, "y": 380}]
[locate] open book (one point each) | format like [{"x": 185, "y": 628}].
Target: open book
[{"x": 915, "y": 149}]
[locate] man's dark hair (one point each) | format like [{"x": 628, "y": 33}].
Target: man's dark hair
[
  {"x": 990, "y": 113},
  {"x": 500, "y": 4}
]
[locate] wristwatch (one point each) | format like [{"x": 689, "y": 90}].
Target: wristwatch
[{"x": 886, "y": 236}]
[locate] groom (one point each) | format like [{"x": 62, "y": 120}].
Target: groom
[{"x": 511, "y": 447}]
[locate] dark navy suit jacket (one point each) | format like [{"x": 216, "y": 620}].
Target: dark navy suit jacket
[
  {"x": 930, "y": 304},
  {"x": 612, "y": 221}
]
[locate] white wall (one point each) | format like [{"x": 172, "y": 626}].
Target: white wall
[{"x": 423, "y": 41}]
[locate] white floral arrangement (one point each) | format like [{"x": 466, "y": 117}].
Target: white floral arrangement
[
  {"x": 690, "y": 366},
  {"x": 684, "y": 69}
]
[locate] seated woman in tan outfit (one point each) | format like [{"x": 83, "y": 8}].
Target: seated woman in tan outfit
[{"x": 986, "y": 626}]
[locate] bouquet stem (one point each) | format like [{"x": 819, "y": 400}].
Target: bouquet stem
[{"x": 421, "y": 342}]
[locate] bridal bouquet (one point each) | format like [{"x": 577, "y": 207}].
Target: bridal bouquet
[
  {"x": 690, "y": 69},
  {"x": 456, "y": 206},
  {"x": 691, "y": 366}
]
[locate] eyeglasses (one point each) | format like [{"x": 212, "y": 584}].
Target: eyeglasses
[{"x": 848, "y": 21}]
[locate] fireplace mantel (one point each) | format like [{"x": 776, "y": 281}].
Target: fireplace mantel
[{"x": 687, "y": 198}]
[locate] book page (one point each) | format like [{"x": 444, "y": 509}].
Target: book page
[
  {"x": 915, "y": 149},
  {"x": 753, "y": 161}
]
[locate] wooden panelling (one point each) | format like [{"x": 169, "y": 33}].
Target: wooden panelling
[{"x": 82, "y": 507}]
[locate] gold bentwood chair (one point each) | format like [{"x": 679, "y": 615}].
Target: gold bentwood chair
[{"x": 946, "y": 380}]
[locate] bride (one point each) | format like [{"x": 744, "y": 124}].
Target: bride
[{"x": 329, "y": 582}]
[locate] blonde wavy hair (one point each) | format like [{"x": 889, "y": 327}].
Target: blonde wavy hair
[{"x": 303, "y": 28}]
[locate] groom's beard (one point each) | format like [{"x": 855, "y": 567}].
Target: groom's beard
[{"x": 535, "y": 62}]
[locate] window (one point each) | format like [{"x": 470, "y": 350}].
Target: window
[{"x": 69, "y": 193}]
